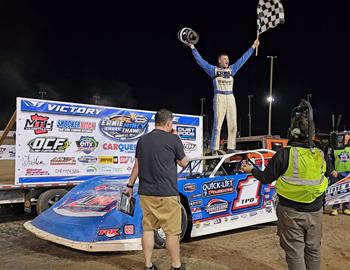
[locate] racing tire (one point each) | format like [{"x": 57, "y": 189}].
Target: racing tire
[
  {"x": 159, "y": 235},
  {"x": 48, "y": 199}
]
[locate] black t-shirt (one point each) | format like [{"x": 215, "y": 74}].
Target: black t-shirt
[{"x": 157, "y": 153}]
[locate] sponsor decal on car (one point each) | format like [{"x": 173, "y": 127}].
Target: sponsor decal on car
[
  {"x": 39, "y": 124},
  {"x": 129, "y": 229},
  {"x": 186, "y": 133},
  {"x": 234, "y": 217},
  {"x": 196, "y": 196},
  {"x": 109, "y": 232},
  {"x": 216, "y": 206},
  {"x": 125, "y": 127},
  {"x": 197, "y": 216},
  {"x": 121, "y": 147},
  {"x": 189, "y": 147},
  {"x": 32, "y": 172},
  {"x": 108, "y": 160},
  {"x": 253, "y": 214},
  {"x": 196, "y": 209},
  {"x": 87, "y": 144},
  {"x": 217, "y": 221},
  {"x": 207, "y": 223},
  {"x": 190, "y": 187},
  {"x": 63, "y": 161},
  {"x": 87, "y": 159},
  {"x": 76, "y": 126},
  {"x": 196, "y": 203},
  {"x": 218, "y": 187},
  {"x": 48, "y": 145}
]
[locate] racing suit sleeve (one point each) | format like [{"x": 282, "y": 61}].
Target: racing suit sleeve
[
  {"x": 275, "y": 168},
  {"x": 208, "y": 68},
  {"x": 241, "y": 61}
]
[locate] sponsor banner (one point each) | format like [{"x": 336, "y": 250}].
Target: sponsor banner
[
  {"x": 73, "y": 141},
  {"x": 7, "y": 152},
  {"x": 339, "y": 192}
]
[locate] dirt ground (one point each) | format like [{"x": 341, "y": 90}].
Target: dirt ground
[{"x": 253, "y": 248}]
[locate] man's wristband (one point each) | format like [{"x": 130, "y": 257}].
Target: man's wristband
[{"x": 129, "y": 186}]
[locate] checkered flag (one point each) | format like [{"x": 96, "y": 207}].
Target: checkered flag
[{"x": 270, "y": 14}]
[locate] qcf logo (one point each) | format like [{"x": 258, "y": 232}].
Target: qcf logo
[
  {"x": 215, "y": 206},
  {"x": 189, "y": 147},
  {"x": 124, "y": 127},
  {"x": 48, "y": 145},
  {"x": 109, "y": 232},
  {"x": 217, "y": 187},
  {"x": 186, "y": 133},
  {"x": 86, "y": 144},
  {"x": 40, "y": 124}
]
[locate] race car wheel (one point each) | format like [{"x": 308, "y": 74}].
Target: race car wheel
[
  {"x": 48, "y": 199},
  {"x": 159, "y": 235}
]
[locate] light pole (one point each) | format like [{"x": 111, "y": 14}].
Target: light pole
[
  {"x": 42, "y": 93},
  {"x": 96, "y": 99},
  {"x": 270, "y": 98},
  {"x": 202, "y": 106},
  {"x": 249, "y": 115}
]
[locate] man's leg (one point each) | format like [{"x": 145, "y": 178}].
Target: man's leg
[
  {"x": 231, "y": 118},
  {"x": 313, "y": 239},
  {"x": 147, "y": 246},
  {"x": 219, "y": 106},
  {"x": 291, "y": 236},
  {"x": 173, "y": 246}
]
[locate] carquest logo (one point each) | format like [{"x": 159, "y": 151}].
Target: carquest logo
[
  {"x": 186, "y": 133},
  {"x": 126, "y": 127}
]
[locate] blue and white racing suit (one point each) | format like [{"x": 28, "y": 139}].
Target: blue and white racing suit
[{"x": 224, "y": 103}]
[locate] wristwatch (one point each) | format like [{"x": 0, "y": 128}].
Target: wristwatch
[{"x": 129, "y": 186}]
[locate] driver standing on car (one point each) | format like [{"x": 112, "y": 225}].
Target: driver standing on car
[
  {"x": 301, "y": 184},
  {"x": 224, "y": 103},
  {"x": 157, "y": 156}
]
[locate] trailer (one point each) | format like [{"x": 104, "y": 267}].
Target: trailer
[{"x": 58, "y": 145}]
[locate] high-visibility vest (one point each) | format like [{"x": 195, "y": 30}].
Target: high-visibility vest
[
  {"x": 304, "y": 180},
  {"x": 342, "y": 159}
]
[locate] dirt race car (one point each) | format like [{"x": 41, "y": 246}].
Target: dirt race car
[{"x": 215, "y": 196}]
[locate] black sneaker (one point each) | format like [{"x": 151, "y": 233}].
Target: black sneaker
[
  {"x": 181, "y": 268},
  {"x": 153, "y": 267}
]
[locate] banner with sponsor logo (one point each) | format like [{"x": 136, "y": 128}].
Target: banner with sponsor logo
[
  {"x": 65, "y": 142},
  {"x": 339, "y": 192},
  {"x": 7, "y": 152}
]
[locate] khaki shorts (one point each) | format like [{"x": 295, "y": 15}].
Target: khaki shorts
[{"x": 161, "y": 212}]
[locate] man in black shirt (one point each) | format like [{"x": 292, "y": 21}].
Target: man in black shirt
[{"x": 157, "y": 156}]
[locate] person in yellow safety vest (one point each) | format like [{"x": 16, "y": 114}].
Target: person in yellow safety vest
[
  {"x": 341, "y": 169},
  {"x": 301, "y": 184}
]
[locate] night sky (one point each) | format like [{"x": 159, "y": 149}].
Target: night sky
[{"x": 130, "y": 56}]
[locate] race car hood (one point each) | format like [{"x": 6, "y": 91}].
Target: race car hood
[{"x": 90, "y": 213}]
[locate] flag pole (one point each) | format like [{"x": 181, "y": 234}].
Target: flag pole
[{"x": 257, "y": 37}]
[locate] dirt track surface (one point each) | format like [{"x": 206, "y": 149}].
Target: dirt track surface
[{"x": 253, "y": 248}]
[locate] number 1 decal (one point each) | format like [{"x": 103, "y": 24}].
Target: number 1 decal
[{"x": 248, "y": 193}]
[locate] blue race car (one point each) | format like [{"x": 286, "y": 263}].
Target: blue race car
[{"x": 215, "y": 196}]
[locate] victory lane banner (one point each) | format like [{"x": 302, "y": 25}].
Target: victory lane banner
[{"x": 59, "y": 142}]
